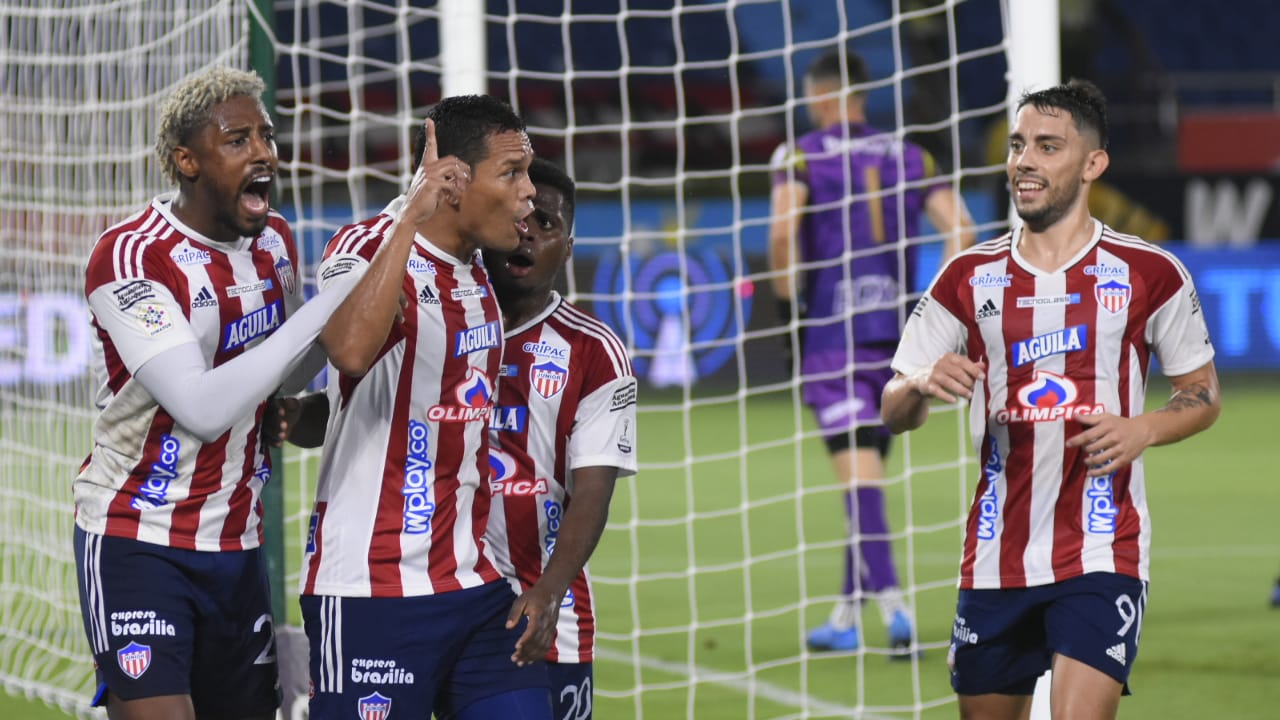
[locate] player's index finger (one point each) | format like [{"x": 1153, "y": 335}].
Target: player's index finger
[{"x": 430, "y": 153}]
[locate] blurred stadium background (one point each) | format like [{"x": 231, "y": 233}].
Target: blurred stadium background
[{"x": 725, "y": 547}]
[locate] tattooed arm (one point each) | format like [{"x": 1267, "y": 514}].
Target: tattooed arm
[
  {"x": 1113, "y": 442},
  {"x": 1193, "y": 407}
]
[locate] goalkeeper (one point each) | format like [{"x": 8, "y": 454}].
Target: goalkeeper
[{"x": 845, "y": 198}]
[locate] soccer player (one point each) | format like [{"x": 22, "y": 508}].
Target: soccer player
[
  {"x": 402, "y": 604},
  {"x": 189, "y": 299},
  {"x": 1048, "y": 332},
  {"x": 563, "y": 431},
  {"x": 845, "y": 198}
]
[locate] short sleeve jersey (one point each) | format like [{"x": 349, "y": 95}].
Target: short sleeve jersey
[
  {"x": 566, "y": 400},
  {"x": 153, "y": 284},
  {"x": 402, "y": 496},
  {"x": 1057, "y": 345},
  {"x": 867, "y": 191}
]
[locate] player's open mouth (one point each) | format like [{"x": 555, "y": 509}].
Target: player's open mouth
[
  {"x": 522, "y": 227},
  {"x": 519, "y": 264},
  {"x": 255, "y": 199}
]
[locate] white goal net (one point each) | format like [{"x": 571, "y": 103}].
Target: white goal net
[
  {"x": 727, "y": 548},
  {"x": 80, "y": 81}
]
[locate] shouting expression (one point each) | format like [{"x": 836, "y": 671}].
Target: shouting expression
[{"x": 231, "y": 165}]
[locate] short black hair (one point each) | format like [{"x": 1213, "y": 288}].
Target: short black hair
[
  {"x": 463, "y": 126},
  {"x": 1081, "y": 98},
  {"x": 544, "y": 172},
  {"x": 840, "y": 65}
]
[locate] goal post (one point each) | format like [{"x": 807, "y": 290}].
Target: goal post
[
  {"x": 1035, "y": 62},
  {"x": 262, "y": 59}
]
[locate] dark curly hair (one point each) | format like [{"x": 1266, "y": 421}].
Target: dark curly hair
[
  {"x": 463, "y": 126},
  {"x": 1081, "y": 98}
]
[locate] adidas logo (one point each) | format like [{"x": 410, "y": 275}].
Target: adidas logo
[
  {"x": 204, "y": 299},
  {"x": 988, "y": 310},
  {"x": 426, "y": 297},
  {"x": 1116, "y": 652}
]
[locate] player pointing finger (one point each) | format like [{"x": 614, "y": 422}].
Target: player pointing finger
[{"x": 436, "y": 180}]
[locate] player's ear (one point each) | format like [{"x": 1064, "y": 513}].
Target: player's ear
[
  {"x": 568, "y": 248},
  {"x": 185, "y": 160},
  {"x": 1095, "y": 164}
]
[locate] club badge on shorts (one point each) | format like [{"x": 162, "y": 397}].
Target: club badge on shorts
[
  {"x": 374, "y": 707},
  {"x": 134, "y": 659}
]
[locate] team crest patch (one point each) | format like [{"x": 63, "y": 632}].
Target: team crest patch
[
  {"x": 134, "y": 659},
  {"x": 1113, "y": 295},
  {"x": 548, "y": 378},
  {"x": 284, "y": 273},
  {"x": 374, "y": 707}
]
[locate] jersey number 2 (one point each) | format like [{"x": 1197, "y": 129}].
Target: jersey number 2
[{"x": 268, "y": 654}]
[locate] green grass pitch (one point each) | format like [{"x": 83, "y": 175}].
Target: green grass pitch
[{"x": 1210, "y": 643}]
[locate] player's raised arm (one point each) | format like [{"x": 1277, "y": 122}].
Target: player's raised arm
[
  {"x": 207, "y": 401},
  {"x": 360, "y": 325},
  {"x": 173, "y": 369}
]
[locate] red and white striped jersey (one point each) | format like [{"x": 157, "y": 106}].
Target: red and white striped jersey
[
  {"x": 1057, "y": 345},
  {"x": 566, "y": 400},
  {"x": 402, "y": 498},
  {"x": 154, "y": 284}
]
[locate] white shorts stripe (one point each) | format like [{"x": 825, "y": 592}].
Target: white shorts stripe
[
  {"x": 93, "y": 592},
  {"x": 326, "y": 651},
  {"x": 330, "y": 644}
]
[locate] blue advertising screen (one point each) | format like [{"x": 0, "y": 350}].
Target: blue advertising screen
[{"x": 45, "y": 337}]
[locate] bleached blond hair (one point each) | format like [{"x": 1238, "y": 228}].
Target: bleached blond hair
[{"x": 186, "y": 111}]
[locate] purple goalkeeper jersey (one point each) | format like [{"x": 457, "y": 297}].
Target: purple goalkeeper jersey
[{"x": 856, "y": 185}]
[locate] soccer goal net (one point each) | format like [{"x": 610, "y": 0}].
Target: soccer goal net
[
  {"x": 728, "y": 547},
  {"x": 80, "y": 81}
]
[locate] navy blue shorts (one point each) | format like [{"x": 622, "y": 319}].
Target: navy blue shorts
[
  {"x": 1004, "y": 640},
  {"x": 572, "y": 690},
  {"x": 417, "y": 655},
  {"x": 166, "y": 621}
]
